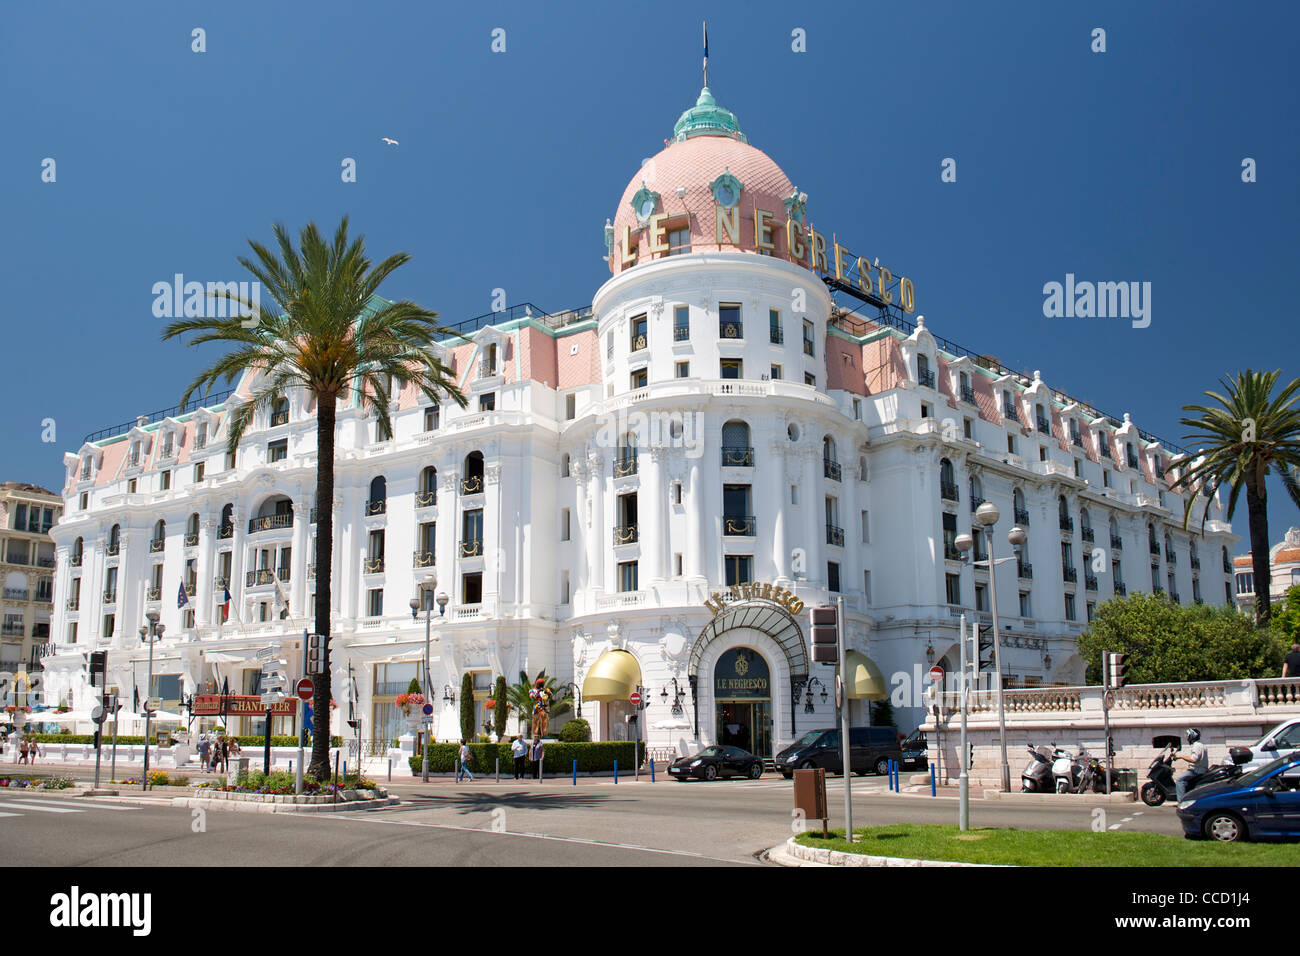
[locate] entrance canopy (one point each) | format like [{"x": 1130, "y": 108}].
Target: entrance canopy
[
  {"x": 614, "y": 676},
  {"x": 864, "y": 681},
  {"x": 770, "y": 618}
]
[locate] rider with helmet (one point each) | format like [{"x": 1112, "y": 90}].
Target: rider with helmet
[{"x": 1198, "y": 763}]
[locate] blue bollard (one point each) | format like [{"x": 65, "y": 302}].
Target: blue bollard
[
  {"x": 575, "y": 773},
  {"x": 616, "y": 771},
  {"x": 652, "y": 771},
  {"x": 932, "y": 788}
]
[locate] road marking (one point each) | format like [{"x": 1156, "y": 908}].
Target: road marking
[
  {"x": 10, "y": 814},
  {"x": 27, "y": 805},
  {"x": 51, "y": 801}
]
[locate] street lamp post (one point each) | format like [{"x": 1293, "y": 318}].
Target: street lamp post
[
  {"x": 427, "y": 586},
  {"x": 153, "y": 631},
  {"x": 987, "y": 515}
]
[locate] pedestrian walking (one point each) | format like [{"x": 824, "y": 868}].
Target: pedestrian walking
[
  {"x": 537, "y": 752},
  {"x": 22, "y": 750},
  {"x": 1291, "y": 665},
  {"x": 205, "y": 748},
  {"x": 520, "y": 751},
  {"x": 462, "y": 769},
  {"x": 33, "y": 753}
]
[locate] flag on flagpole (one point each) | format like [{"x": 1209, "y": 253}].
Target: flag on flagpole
[
  {"x": 281, "y": 600},
  {"x": 181, "y": 597},
  {"x": 225, "y": 606},
  {"x": 706, "y": 52}
]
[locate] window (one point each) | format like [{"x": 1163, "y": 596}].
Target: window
[
  {"x": 952, "y": 588},
  {"x": 85, "y": 496},
  {"x": 198, "y": 471},
  {"x": 278, "y": 450},
  {"x": 165, "y": 481},
  {"x": 1078, "y": 468},
  {"x": 981, "y": 597},
  {"x": 570, "y": 407},
  {"x": 731, "y": 368},
  {"x": 808, "y": 345},
  {"x": 471, "y": 545},
  {"x": 375, "y": 551},
  {"x": 729, "y": 324},
  {"x": 130, "y": 486},
  {"x": 681, "y": 323},
  {"x": 639, "y": 328},
  {"x": 487, "y": 402},
  {"x": 833, "y": 576},
  {"x": 1070, "y": 613},
  {"x": 968, "y": 429},
  {"x": 775, "y": 333},
  {"x": 375, "y": 602},
  {"x": 564, "y": 465},
  {"x": 926, "y": 410},
  {"x": 857, "y": 409},
  {"x": 1025, "y": 608},
  {"x": 677, "y": 493},
  {"x": 564, "y": 524},
  {"x": 1011, "y": 444},
  {"x": 109, "y": 620},
  {"x": 679, "y": 241},
  {"x": 866, "y": 528},
  {"x": 739, "y": 568},
  {"x": 471, "y": 588},
  {"x": 627, "y": 577},
  {"x": 1105, "y": 478},
  {"x": 432, "y": 418},
  {"x": 950, "y": 551},
  {"x": 810, "y": 379},
  {"x": 775, "y": 373},
  {"x": 564, "y": 587},
  {"x": 230, "y": 460},
  {"x": 640, "y": 378},
  {"x": 683, "y": 369}
]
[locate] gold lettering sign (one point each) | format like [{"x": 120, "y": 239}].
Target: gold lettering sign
[
  {"x": 728, "y": 219},
  {"x": 763, "y": 231},
  {"x": 794, "y": 240},
  {"x": 658, "y": 234},
  {"x": 717, "y": 602},
  {"x": 629, "y": 251}
]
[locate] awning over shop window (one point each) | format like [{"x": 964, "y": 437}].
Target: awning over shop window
[
  {"x": 614, "y": 676},
  {"x": 865, "y": 682}
]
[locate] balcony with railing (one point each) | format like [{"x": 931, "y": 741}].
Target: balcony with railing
[
  {"x": 1116, "y": 543},
  {"x": 427, "y": 498},
  {"x": 153, "y": 593},
  {"x": 377, "y": 506},
  {"x": 269, "y": 523},
  {"x": 730, "y": 329},
  {"x": 191, "y": 540},
  {"x": 74, "y": 560},
  {"x": 226, "y": 530},
  {"x": 1070, "y": 574},
  {"x": 681, "y": 333},
  {"x": 113, "y": 548},
  {"x": 1043, "y": 425},
  {"x": 1077, "y": 440},
  {"x": 1021, "y": 515},
  {"x": 419, "y": 559},
  {"x": 835, "y": 536},
  {"x": 157, "y": 544},
  {"x": 1121, "y": 588},
  {"x": 948, "y": 491},
  {"x": 738, "y": 526},
  {"x": 776, "y": 335},
  {"x": 737, "y": 456},
  {"x": 831, "y": 469},
  {"x": 9, "y": 629},
  {"x": 1086, "y": 532},
  {"x": 220, "y": 582},
  {"x": 280, "y": 418},
  {"x": 1196, "y": 563},
  {"x": 950, "y": 552},
  {"x": 625, "y": 465},
  {"x": 968, "y": 394},
  {"x": 1154, "y": 548},
  {"x": 975, "y": 502},
  {"x": 925, "y": 377},
  {"x": 15, "y": 594},
  {"x": 1227, "y": 568},
  {"x": 1171, "y": 556},
  {"x": 1066, "y": 523},
  {"x": 625, "y": 534},
  {"x": 1090, "y": 581},
  {"x": 373, "y": 565},
  {"x": 1009, "y": 411},
  {"x": 259, "y": 577},
  {"x": 1024, "y": 569},
  {"x": 110, "y": 597},
  {"x": 471, "y": 548},
  {"x": 190, "y": 588},
  {"x": 73, "y": 604}
]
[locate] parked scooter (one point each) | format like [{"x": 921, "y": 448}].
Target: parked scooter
[
  {"x": 1037, "y": 775},
  {"x": 1066, "y": 769},
  {"x": 1163, "y": 785},
  {"x": 1093, "y": 777}
]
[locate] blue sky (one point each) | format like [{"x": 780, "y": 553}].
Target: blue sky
[{"x": 1115, "y": 166}]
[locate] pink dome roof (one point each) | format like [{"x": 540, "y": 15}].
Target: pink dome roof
[{"x": 694, "y": 163}]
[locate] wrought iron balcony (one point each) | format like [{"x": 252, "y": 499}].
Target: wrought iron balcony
[
  {"x": 1116, "y": 543},
  {"x": 730, "y": 329},
  {"x": 1086, "y": 531},
  {"x": 110, "y": 597},
  {"x": 373, "y": 565},
  {"x": 258, "y": 577},
  {"x": 73, "y": 604},
  {"x": 226, "y": 530},
  {"x": 639, "y": 342},
  {"x": 925, "y": 377},
  {"x": 1120, "y": 588},
  {"x": 74, "y": 561},
  {"x": 473, "y": 485},
  {"x": 376, "y": 506},
  {"x": 950, "y": 552},
  {"x": 471, "y": 548},
  {"x": 157, "y": 544},
  {"x": 190, "y": 588},
  {"x": 1022, "y": 516},
  {"x": 426, "y": 499},
  {"x": 975, "y": 502},
  {"x": 625, "y": 534},
  {"x": 1171, "y": 557},
  {"x": 11, "y": 630},
  {"x": 419, "y": 559},
  {"x": 1090, "y": 581},
  {"x": 1076, "y": 439},
  {"x": 1043, "y": 426},
  {"x": 269, "y": 523},
  {"x": 1024, "y": 569},
  {"x": 835, "y": 536},
  {"x": 948, "y": 491},
  {"x": 283, "y": 572},
  {"x": 1066, "y": 523},
  {"x": 1009, "y": 411},
  {"x": 153, "y": 594},
  {"x": 280, "y": 418},
  {"x": 831, "y": 469},
  {"x": 1196, "y": 563},
  {"x": 738, "y": 526},
  {"x": 113, "y": 548},
  {"x": 191, "y": 540},
  {"x": 625, "y": 465},
  {"x": 968, "y": 394},
  {"x": 1070, "y": 574},
  {"x": 200, "y": 442},
  {"x": 681, "y": 333},
  {"x": 737, "y": 456},
  {"x": 1132, "y": 460},
  {"x": 1153, "y": 548},
  {"x": 776, "y": 335},
  {"x": 808, "y": 348}
]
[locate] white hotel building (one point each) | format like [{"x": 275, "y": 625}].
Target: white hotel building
[{"x": 712, "y": 419}]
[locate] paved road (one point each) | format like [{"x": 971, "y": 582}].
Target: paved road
[{"x": 597, "y": 823}]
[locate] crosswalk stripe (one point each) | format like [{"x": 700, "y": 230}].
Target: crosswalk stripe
[
  {"x": 10, "y": 814},
  {"x": 37, "y": 806},
  {"x": 81, "y": 804}
]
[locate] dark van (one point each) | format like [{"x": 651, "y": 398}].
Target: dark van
[{"x": 870, "y": 749}]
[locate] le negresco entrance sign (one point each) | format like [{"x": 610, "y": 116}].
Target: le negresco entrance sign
[{"x": 754, "y": 591}]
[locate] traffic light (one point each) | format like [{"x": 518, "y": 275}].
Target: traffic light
[
  {"x": 1118, "y": 664},
  {"x": 98, "y": 666},
  {"x": 970, "y": 755},
  {"x": 985, "y": 651},
  {"x": 825, "y": 635},
  {"x": 315, "y": 654}
]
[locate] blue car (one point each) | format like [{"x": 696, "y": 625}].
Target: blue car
[{"x": 1262, "y": 803}]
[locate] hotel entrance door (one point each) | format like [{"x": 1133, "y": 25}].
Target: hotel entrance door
[
  {"x": 745, "y": 724},
  {"x": 742, "y": 696}
]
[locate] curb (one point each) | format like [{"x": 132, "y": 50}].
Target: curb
[
  {"x": 1058, "y": 799},
  {"x": 243, "y": 806},
  {"x": 799, "y": 855}
]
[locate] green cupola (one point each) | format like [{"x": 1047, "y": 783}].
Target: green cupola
[{"x": 707, "y": 118}]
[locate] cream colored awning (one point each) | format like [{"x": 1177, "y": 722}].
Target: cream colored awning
[
  {"x": 864, "y": 678},
  {"x": 614, "y": 676}
]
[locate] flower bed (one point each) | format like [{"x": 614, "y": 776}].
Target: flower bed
[
  {"x": 36, "y": 783},
  {"x": 283, "y": 783}
]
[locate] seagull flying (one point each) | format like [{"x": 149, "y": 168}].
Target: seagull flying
[{"x": 390, "y": 142}]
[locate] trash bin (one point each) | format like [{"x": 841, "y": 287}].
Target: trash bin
[{"x": 810, "y": 794}]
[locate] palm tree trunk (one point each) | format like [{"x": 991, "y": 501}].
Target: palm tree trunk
[
  {"x": 1257, "y": 509},
  {"x": 320, "y": 747}
]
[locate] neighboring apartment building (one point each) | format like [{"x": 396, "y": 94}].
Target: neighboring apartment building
[
  {"x": 27, "y": 513},
  {"x": 1284, "y": 572}
]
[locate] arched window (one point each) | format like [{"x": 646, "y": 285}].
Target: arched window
[
  {"x": 159, "y": 536},
  {"x": 227, "y": 526},
  {"x": 279, "y": 410},
  {"x": 378, "y": 502},
  {"x": 472, "y": 482},
  {"x": 78, "y": 550},
  {"x": 1151, "y": 538},
  {"x": 1063, "y": 514},
  {"x": 564, "y": 465},
  {"x": 976, "y": 492},
  {"x": 1021, "y": 515},
  {"x": 626, "y": 462},
  {"x": 736, "y": 450},
  {"x": 428, "y": 493},
  {"x": 115, "y": 539},
  {"x": 947, "y": 484},
  {"x": 1169, "y": 545}
]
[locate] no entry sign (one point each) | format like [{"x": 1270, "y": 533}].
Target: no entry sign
[
  {"x": 635, "y": 699},
  {"x": 306, "y": 688},
  {"x": 936, "y": 674}
]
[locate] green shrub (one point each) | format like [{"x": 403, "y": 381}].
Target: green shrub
[
  {"x": 559, "y": 757},
  {"x": 576, "y": 730},
  {"x": 467, "y": 707}
]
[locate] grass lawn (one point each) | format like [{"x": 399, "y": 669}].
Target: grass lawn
[{"x": 1051, "y": 847}]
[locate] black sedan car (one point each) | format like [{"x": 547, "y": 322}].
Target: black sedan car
[{"x": 714, "y": 762}]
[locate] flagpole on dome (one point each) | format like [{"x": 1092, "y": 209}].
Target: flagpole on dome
[{"x": 706, "y": 53}]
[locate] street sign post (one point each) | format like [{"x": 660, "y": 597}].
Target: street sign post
[
  {"x": 428, "y": 710},
  {"x": 635, "y": 699},
  {"x": 153, "y": 704},
  {"x": 305, "y": 688},
  {"x": 936, "y": 674}
]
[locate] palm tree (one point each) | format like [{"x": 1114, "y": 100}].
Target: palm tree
[
  {"x": 1240, "y": 441},
  {"x": 519, "y": 701},
  {"x": 325, "y": 330}
]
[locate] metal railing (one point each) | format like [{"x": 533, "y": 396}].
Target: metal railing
[
  {"x": 625, "y": 464},
  {"x": 153, "y": 593},
  {"x": 975, "y": 502},
  {"x": 1021, "y": 516},
  {"x": 157, "y": 544},
  {"x": 258, "y": 577},
  {"x": 191, "y": 540},
  {"x": 427, "y": 498},
  {"x": 1043, "y": 425},
  {"x": 376, "y": 506},
  {"x": 226, "y": 530},
  {"x": 831, "y": 469},
  {"x": 1086, "y": 532},
  {"x": 1090, "y": 582},
  {"x": 471, "y": 548},
  {"x": 1070, "y": 574},
  {"x": 1024, "y": 569},
  {"x": 270, "y": 522},
  {"x": 737, "y": 456},
  {"x": 113, "y": 548},
  {"x": 639, "y": 342},
  {"x": 835, "y": 536},
  {"x": 74, "y": 561},
  {"x": 809, "y": 348},
  {"x": 776, "y": 335},
  {"x": 110, "y": 597},
  {"x": 207, "y": 401},
  {"x": 948, "y": 491},
  {"x": 625, "y": 534},
  {"x": 1066, "y": 523},
  {"x": 279, "y": 418},
  {"x": 968, "y": 394},
  {"x": 681, "y": 333},
  {"x": 730, "y": 329},
  {"x": 373, "y": 565},
  {"x": 1116, "y": 543},
  {"x": 925, "y": 377},
  {"x": 420, "y": 559},
  {"x": 738, "y": 526},
  {"x": 473, "y": 485}
]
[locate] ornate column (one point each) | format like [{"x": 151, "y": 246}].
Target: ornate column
[
  {"x": 599, "y": 529},
  {"x": 812, "y": 527},
  {"x": 654, "y": 505},
  {"x": 204, "y": 571},
  {"x": 695, "y": 522},
  {"x": 775, "y": 508},
  {"x": 446, "y": 534},
  {"x": 298, "y": 609}
]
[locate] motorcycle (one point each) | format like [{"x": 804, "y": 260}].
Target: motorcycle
[
  {"x": 1066, "y": 769},
  {"x": 1093, "y": 777},
  {"x": 1037, "y": 775},
  {"x": 1163, "y": 785}
]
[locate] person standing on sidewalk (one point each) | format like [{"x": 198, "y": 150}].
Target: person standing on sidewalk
[
  {"x": 520, "y": 751},
  {"x": 33, "y": 752},
  {"x": 462, "y": 769},
  {"x": 537, "y": 752}
]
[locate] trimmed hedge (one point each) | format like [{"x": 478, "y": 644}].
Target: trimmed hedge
[
  {"x": 137, "y": 740},
  {"x": 559, "y": 757}
]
